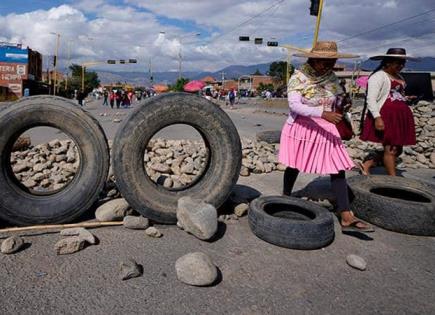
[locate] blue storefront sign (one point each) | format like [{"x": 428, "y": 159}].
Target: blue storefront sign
[{"x": 13, "y": 54}]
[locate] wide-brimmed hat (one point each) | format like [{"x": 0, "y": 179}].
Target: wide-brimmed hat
[
  {"x": 399, "y": 53},
  {"x": 325, "y": 50}
]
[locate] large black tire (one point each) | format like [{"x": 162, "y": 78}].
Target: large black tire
[
  {"x": 394, "y": 203},
  {"x": 219, "y": 135},
  {"x": 291, "y": 222},
  {"x": 17, "y": 204},
  {"x": 270, "y": 136}
]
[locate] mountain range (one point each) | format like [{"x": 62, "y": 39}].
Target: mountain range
[{"x": 234, "y": 72}]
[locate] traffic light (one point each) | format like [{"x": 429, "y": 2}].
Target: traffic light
[
  {"x": 272, "y": 44},
  {"x": 132, "y": 61},
  {"x": 244, "y": 38},
  {"x": 258, "y": 41},
  {"x": 314, "y": 8},
  {"x": 111, "y": 62},
  {"x": 122, "y": 61}
]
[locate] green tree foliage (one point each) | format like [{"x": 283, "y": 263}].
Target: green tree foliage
[
  {"x": 75, "y": 81},
  {"x": 257, "y": 72},
  {"x": 178, "y": 86},
  {"x": 263, "y": 87}
]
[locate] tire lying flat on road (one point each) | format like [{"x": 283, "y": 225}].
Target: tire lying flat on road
[
  {"x": 291, "y": 222},
  {"x": 18, "y": 205},
  {"x": 394, "y": 203},
  {"x": 220, "y": 137}
]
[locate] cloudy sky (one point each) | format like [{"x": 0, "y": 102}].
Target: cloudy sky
[{"x": 94, "y": 30}]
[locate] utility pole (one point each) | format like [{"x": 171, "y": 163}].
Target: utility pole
[
  {"x": 319, "y": 17},
  {"x": 55, "y": 61},
  {"x": 223, "y": 80},
  {"x": 150, "y": 70},
  {"x": 69, "y": 62}
]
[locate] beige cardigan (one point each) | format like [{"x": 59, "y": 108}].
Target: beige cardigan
[{"x": 379, "y": 86}]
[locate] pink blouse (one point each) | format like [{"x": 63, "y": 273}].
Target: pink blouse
[{"x": 297, "y": 107}]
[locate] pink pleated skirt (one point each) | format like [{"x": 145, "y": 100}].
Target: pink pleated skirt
[{"x": 313, "y": 145}]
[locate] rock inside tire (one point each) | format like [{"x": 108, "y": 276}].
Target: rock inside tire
[
  {"x": 394, "y": 203},
  {"x": 17, "y": 204},
  {"x": 218, "y": 132},
  {"x": 291, "y": 222}
]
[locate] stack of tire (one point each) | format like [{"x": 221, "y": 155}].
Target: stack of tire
[{"x": 21, "y": 206}]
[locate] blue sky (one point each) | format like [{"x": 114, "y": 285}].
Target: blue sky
[{"x": 105, "y": 29}]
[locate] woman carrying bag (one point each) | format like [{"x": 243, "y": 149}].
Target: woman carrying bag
[
  {"x": 389, "y": 119},
  {"x": 310, "y": 141}
]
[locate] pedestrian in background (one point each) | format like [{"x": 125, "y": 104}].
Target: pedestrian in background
[
  {"x": 105, "y": 97},
  {"x": 112, "y": 98}
]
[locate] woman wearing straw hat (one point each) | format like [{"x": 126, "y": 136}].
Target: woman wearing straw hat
[
  {"x": 310, "y": 141},
  {"x": 389, "y": 120}
]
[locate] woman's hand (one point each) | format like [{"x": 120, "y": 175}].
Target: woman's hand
[
  {"x": 332, "y": 117},
  {"x": 379, "y": 124}
]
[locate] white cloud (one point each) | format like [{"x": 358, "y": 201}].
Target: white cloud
[{"x": 132, "y": 30}]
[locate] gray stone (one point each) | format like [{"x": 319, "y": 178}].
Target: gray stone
[
  {"x": 130, "y": 269},
  {"x": 153, "y": 232},
  {"x": 114, "y": 210},
  {"x": 12, "y": 245},
  {"x": 159, "y": 167},
  {"x": 136, "y": 223},
  {"x": 196, "y": 269},
  {"x": 197, "y": 217},
  {"x": 69, "y": 245},
  {"x": 356, "y": 262},
  {"x": 244, "y": 171},
  {"x": 82, "y": 233},
  {"x": 432, "y": 157},
  {"x": 30, "y": 183},
  {"x": 20, "y": 167},
  {"x": 281, "y": 167},
  {"x": 241, "y": 209}
]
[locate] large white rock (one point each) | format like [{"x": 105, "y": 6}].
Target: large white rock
[
  {"x": 196, "y": 269},
  {"x": 356, "y": 262},
  {"x": 197, "y": 217},
  {"x": 114, "y": 210}
]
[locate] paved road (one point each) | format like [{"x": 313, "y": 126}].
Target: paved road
[{"x": 257, "y": 278}]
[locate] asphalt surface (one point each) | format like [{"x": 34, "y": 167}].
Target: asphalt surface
[{"x": 256, "y": 277}]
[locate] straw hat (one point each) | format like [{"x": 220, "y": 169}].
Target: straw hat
[
  {"x": 394, "y": 53},
  {"x": 325, "y": 50}
]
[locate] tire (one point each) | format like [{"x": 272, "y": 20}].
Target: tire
[
  {"x": 17, "y": 204},
  {"x": 291, "y": 222},
  {"x": 272, "y": 136},
  {"x": 394, "y": 203},
  {"x": 220, "y": 137}
]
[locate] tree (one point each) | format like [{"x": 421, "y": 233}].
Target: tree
[
  {"x": 178, "y": 87},
  {"x": 277, "y": 70},
  {"x": 75, "y": 81},
  {"x": 257, "y": 72},
  {"x": 263, "y": 87}
]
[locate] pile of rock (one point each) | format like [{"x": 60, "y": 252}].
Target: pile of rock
[
  {"x": 421, "y": 155},
  {"x": 48, "y": 166}
]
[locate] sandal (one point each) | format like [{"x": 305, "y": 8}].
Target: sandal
[
  {"x": 353, "y": 227},
  {"x": 362, "y": 171}
]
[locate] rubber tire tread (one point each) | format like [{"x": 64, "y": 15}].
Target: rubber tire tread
[
  {"x": 220, "y": 136},
  {"x": 295, "y": 234},
  {"x": 17, "y": 205},
  {"x": 398, "y": 215}
]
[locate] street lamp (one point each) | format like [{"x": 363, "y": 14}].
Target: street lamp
[
  {"x": 69, "y": 40},
  {"x": 55, "y": 60}
]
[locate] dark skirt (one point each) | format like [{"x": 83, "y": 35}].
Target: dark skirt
[{"x": 399, "y": 125}]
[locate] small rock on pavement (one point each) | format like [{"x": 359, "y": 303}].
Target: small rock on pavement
[
  {"x": 117, "y": 120},
  {"x": 356, "y": 262},
  {"x": 130, "y": 269},
  {"x": 241, "y": 209},
  {"x": 12, "y": 245},
  {"x": 153, "y": 232},
  {"x": 196, "y": 269},
  {"x": 113, "y": 210},
  {"x": 197, "y": 217},
  {"x": 136, "y": 223},
  {"x": 69, "y": 245},
  {"x": 82, "y": 233}
]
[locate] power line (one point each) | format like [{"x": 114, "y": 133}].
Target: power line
[
  {"x": 246, "y": 21},
  {"x": 386, "y": 25}
]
